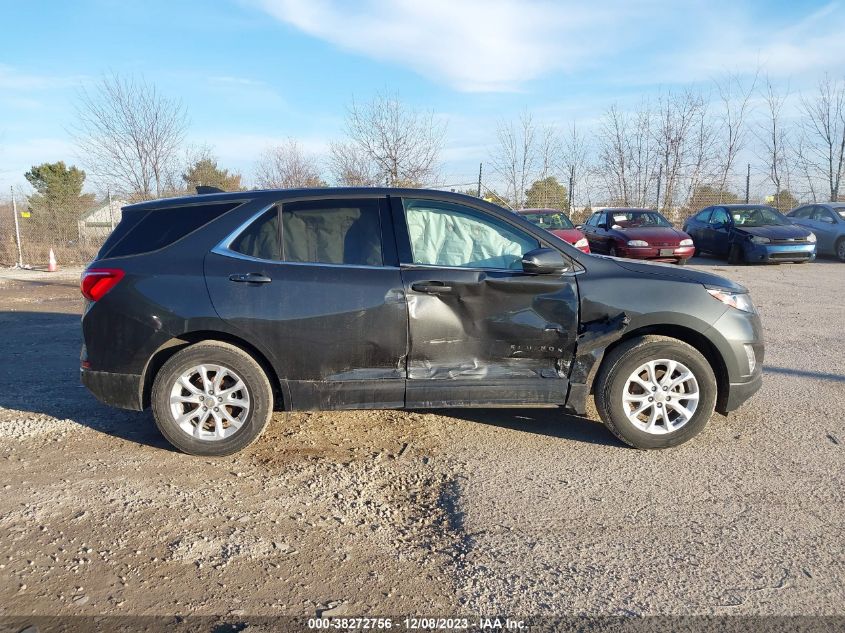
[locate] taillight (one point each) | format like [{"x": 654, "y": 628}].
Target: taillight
[{"x": 96, "y": 282}]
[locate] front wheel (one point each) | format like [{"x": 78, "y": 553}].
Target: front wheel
[
  {"x": 655, "y": 392},
  {"x": 840, "y": 249},
  {"x": 211, "y": 399}
]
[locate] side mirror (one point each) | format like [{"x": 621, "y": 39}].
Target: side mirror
[
  {"x": 545, "y": 261},
  {"x": 580, "y": 227}
]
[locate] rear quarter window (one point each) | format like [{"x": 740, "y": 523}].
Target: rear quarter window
[{"x": 148, "y": 231}]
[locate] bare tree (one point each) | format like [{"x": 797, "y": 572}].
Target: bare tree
[
  {"x": 735, "y": 96},
  {"x": 573, "y": 162},
  {"x": 773, "y": 139},
  {"x": 351, "y": 166},
  {"x": 404, "y": 144},
  {"x": 680, "y": 117},
  {"x": 287, "y": 166},
  {"x": 824, "y": 133},
  {"x": 129, "y": 136},
  {"x": 518, "y": 157},
  {"x": 628, "y": 155}
]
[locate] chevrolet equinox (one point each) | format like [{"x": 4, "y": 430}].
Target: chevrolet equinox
[{"x": 216, "y": 309}]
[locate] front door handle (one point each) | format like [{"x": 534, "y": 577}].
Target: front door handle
[
  {"x": 250, "y": 278},
  {"x": 431, "y": 287}
]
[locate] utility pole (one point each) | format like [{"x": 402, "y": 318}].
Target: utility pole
[
  {"x": 111, "y": 212},
  {"x": 480, "y": 165},
  {"x": 659, "y": 178},
  {"x": 748, "y": 183},
  {"x": 571, "y": 187},
  {"x": 17, "y": 228}
]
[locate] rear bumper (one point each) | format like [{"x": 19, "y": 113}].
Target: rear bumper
[
  {"x": 739, "y": 392},
  {"x": 117, "y": 390},
  {"x": 772, "y": 253}
]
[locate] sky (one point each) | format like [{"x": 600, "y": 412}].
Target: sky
[{"x": 252, "y": 73}]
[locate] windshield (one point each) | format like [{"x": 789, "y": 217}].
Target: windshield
[
  {"x": 637, "y": 219},
  {"x": 758, "y": 216},
  {"x": 549, "y": 221}
]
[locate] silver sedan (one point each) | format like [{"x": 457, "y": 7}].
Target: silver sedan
[{"x": 827, "y": 221}]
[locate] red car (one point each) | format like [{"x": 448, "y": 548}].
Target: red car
[
  {"x": 637, "y": 234},
  {"x": 558, "y": 224}
]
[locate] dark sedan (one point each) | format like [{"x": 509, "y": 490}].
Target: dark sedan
[
  {"x": 747, "y": 233},
  {"x": 637, "y": 234},
  {"x": 827, "y": 222}
]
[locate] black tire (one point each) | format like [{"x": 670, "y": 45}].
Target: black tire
[
  {"x": 683, "y": 261},
  {"x": 619, "y": 365},
  {"x": 232, "y": 358},
  {"x": 839, "y": 249},
  {"x": 735, "y": 255},
  {"x": 612, "y": 251}
]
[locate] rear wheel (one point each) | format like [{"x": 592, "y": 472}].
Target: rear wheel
[
  {"x": 655, "y": 392},
  {"x": 612, "y": 251},
  {"x": 211, "y": 399},
  {"x": 840, "y": 249}
]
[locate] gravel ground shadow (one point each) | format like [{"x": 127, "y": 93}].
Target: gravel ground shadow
[{"x": 48, "y": 392}]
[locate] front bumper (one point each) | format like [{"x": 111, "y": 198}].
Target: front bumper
[
  {"x": 739, "y": 392},
  {"x": 657, "y": 253},
  {"x": 771, "y": 253},
  {"x": 117, "y": 390}
]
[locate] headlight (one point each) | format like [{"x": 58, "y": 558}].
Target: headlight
[
  {"x": 637, "y": 243},
  {"x": 686, "y": 242},
  {"x": 811, "y": 238},
  {"x": 740, "y": 301},
  {"x": 760, "y": 240},
  {"x": 582, "y": 243}
]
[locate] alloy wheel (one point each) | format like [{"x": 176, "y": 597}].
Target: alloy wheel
[
  {"x": 660, "y": 396},
  {"x": 209, "y": 402}
]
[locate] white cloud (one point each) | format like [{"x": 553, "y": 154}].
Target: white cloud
[
  {"x": 472, "y": 45},
  {"x": 498, "y": 45}
]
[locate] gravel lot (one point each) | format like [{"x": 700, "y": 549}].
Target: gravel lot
[{"x": 518, "y": 511}]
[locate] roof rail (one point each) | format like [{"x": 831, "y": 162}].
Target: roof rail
[{"x": 203, "y": 189}]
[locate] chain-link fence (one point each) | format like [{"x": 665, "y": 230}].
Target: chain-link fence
[{"x": 73, "y": 234}]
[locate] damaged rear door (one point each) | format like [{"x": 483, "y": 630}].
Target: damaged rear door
[{"x": 481, "y": 331}]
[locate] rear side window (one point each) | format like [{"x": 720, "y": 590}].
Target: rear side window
[
  {"x": 261, "y": 238},
  {"x": 332, "y": 232},
  {"x": 160, "y": 227},
  {"x": 802, "y": 212}
]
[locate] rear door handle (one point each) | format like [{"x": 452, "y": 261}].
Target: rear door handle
[
  {"x": 251, "y": 278},
  {"x": 431, "y": 287}
]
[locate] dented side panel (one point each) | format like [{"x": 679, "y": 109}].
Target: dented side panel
[{"x": 490, "y": 331}]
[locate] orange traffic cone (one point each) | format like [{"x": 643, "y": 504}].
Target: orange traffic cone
[{"x": 52, "y": 266}]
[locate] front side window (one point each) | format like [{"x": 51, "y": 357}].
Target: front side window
[
  {"x": 332, "y": 232},
  {"x": 823, "y": 215},
  {"x": 445, "y": 234}
]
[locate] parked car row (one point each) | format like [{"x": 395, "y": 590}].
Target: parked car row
[{"x": 743, "y": 233}]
